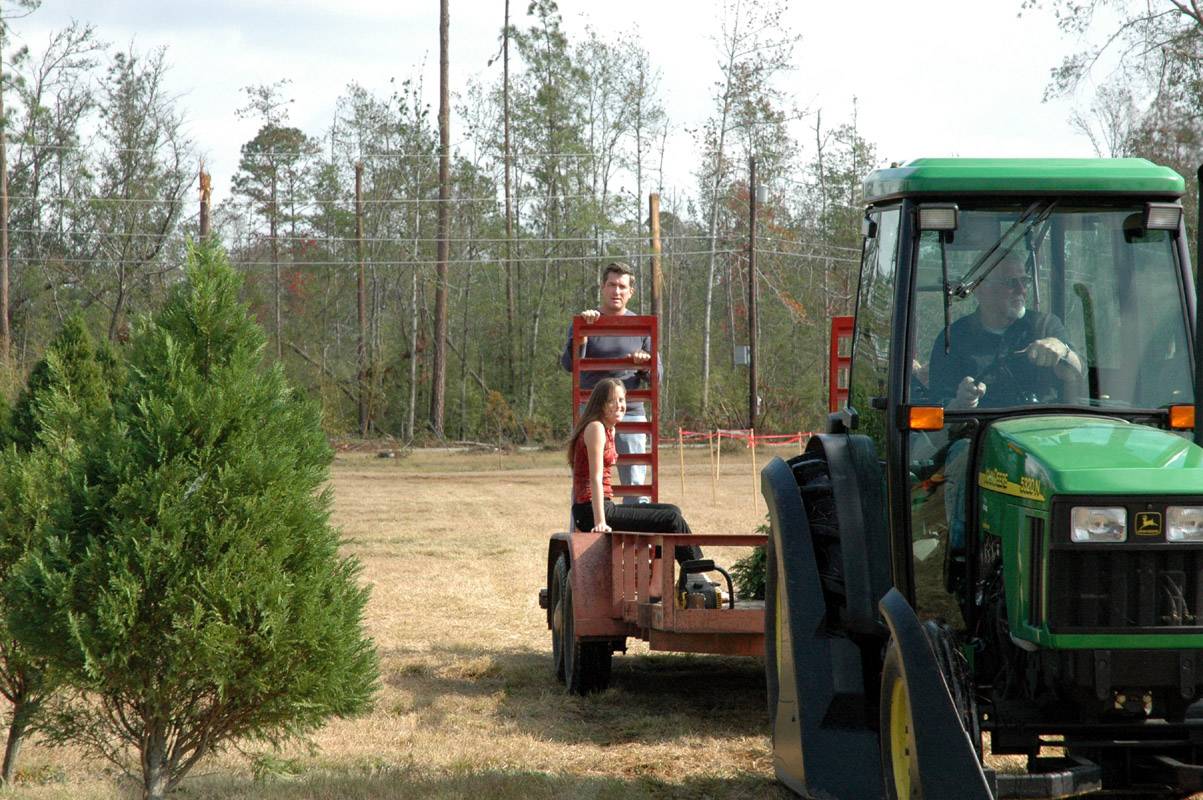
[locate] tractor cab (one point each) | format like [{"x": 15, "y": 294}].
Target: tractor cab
[{"x": 1016, "y": 543}]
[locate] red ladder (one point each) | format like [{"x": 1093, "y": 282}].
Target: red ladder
[{"x": 624, "y": 326}]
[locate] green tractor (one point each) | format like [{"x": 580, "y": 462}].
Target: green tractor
[{"x": 986, "y": 579}]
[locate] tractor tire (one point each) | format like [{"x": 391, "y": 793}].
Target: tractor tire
[
  {"x": 772, "y": 630},
  {"x": 899, "y": 760},
  {"x": 586, "y": 664},
  {"x": 559, "y": 578},
  {"x": 814, "y": 484}
]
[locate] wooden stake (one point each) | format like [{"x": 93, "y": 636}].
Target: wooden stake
[
  {"x": 718, "y": 455},
  {"x": 681, "y": 456},
  {"x": 710, "y": 444},
  {"x": 801, "y": 444}
]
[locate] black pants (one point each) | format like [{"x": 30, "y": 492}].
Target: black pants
[{"x": 640, "y": 518}]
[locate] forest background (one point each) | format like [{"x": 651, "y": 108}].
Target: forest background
[{"x": 559, "y": 144}]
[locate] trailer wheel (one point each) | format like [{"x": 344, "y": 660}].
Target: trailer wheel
[
  {"x": 559, "y": 578},
  {"x": 899, "y": 761},
  {"x": 586, "y": 664}
]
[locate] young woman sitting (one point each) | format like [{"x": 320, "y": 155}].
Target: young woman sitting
[{"x": 591, "y": 454}]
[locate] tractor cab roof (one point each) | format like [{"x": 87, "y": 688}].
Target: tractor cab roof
[{"x": 958, "y": 177}]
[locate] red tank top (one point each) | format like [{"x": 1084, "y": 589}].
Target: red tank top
[{"x": 582, "y": 492}]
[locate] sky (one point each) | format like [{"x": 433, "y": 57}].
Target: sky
[{"x": 929, "y": 77}]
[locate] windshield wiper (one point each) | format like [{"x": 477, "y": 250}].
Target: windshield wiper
[{"x": 989, "y": 259}]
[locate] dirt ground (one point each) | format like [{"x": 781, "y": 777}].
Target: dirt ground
[{"x": 453, "y": 545}]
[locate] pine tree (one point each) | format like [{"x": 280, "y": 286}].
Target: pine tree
[
  {"x": 195, "y": 588},
  {"x": 67, "y": 396}
]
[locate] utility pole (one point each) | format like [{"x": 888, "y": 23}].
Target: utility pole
[
  {"x": 276, "y": 268},
  {"x": 206, "y": 184},
  {"x": 439, "y": 367},
  {"x": 361, "y": 350},
  {"x": 752, "y": 398},
  {"x": 509, "y": 207},
  {"x": 653, "y": 202}
]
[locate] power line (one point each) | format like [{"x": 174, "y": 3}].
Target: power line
[{"x": 383, "y": 155}]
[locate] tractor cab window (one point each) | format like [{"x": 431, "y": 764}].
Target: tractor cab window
[
  {"x": 1049, "y": 304},
  {"x": 874, "y": 307}
]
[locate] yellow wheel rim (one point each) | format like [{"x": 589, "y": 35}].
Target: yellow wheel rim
[{"x": 902, "y": 744}]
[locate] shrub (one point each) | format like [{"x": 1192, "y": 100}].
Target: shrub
[{"x": 194, "y": 589}]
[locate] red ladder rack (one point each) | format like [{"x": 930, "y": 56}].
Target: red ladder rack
[{"x": 624, "y": 326}]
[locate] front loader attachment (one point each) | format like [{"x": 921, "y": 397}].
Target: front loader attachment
[{"x": 822, "y": 744}]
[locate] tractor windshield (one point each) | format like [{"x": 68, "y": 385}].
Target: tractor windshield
[{"x": 1082, "y": 307}]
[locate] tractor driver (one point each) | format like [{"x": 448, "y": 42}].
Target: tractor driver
[{"x": 1003, "y": 353}]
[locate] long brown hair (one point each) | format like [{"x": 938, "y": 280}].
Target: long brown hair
[{"x": 593, "y": 411}]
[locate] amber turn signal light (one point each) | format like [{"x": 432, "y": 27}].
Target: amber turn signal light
[
  {"x": 1182, "y": 417},
  {"x": 925, "y": 418}
]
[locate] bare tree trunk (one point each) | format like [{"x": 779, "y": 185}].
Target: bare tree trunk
[
  {"x": 156, "y": 777},
  {"x": 22, "y": 711},
  {"x": 439, "y": 377},
  {"x": 5, "y": 333},
  {"x": 509, "y": 209}
]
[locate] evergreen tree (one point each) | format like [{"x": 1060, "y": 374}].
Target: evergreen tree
[
  {"x": 195, "y": 588},
  {"x": 67, "y": 396}
]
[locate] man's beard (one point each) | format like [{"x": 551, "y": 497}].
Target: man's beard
[{"x": 1016, "y": 309}]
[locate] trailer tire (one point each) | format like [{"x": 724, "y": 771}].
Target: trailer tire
[
  {"x": 899, "y": 760},
  {"x": 586, "y": 664},
  {"x": 559, "y": 578}
]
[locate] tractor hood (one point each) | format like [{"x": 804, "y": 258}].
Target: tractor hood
[{"x": 1037, "y": 456}]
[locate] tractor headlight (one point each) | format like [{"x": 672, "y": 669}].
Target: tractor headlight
[
  {"x": 1099, "y": 524},
  {"x": 1184, "y": 524}
]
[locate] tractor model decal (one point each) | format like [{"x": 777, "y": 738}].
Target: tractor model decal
[{"x": 996, "y": 480}]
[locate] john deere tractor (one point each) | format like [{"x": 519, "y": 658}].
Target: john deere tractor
[{"x": 986, "y": 579}]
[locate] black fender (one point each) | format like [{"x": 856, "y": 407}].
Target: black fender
[
  {"x": 948, "y": 764},
  {"x": 857, "y": 486},
  {"x": 822, "y": 744}
]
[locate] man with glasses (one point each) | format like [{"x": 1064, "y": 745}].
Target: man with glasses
[{"x": 1003, "y": 353}]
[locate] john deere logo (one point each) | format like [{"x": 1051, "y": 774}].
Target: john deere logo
[{"x": 1148, "y": 523}]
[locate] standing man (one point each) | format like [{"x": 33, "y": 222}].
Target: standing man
[{"x": 618, "y": 286}]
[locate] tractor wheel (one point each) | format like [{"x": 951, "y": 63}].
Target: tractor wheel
[
  {"x": 559, "y": 578},
  {"x": 586, "y": 664},
  {"x": 899, "y": 760},
  {"x": 772, "y": 629},
  {"x": 814, "y": 484}
]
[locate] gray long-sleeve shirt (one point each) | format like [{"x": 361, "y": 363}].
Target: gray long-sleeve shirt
[{"x": 612, "y": 347}]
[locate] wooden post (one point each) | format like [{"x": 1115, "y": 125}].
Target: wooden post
[
  {"x": 710, "y": 443},
  {"x": 681, "y": 457},
  {"x": 801, "y": 444},
  {"x": 653, "y": 202},
  {"x": 718, "y": 454},
  {"x": 361, "y": 349},
  {"x": 206, "y": 184},
  {"x": 753, "y": 397},
  {"x": 752, "y": 440}
]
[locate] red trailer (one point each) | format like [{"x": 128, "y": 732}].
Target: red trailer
[{"x": 605, "y": 587}]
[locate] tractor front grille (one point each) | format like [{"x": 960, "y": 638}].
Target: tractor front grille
[{"x": 1120, "y": 588}]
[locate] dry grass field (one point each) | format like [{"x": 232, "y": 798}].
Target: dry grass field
[{"x": 453, "y": 545}]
